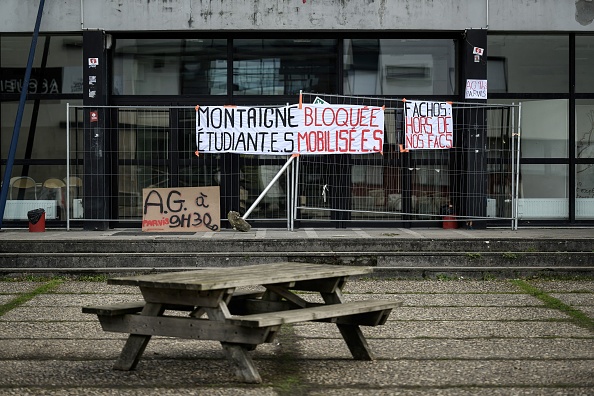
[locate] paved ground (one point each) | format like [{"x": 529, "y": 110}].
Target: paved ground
[
  {"x": 307, "y": 233},
  {"x": 509, "y": 337}
]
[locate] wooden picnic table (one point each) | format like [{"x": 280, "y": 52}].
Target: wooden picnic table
[{"x": 240, "y": 319}]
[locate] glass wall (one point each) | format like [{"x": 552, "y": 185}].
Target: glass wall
[
  {"x": 584, "y": 63},
  {"x": 57, "y": 68},
  {"x": 170, "y": 67},
  {"x": 39, "y": 170},
  {"x": 528, "y": 63},
  {"x": 399, "y": 67},
  {"x": 284, "y": 66},
  {"x": 584, "y": 172}
]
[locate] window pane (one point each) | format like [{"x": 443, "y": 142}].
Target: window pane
[
  {"x": 543, "y": 192},
  {"x": 63, "y": 67},
  {"x": 545, "y": 129},
  {"x": 48, "y": 138},
  {"x": 528, "y": 64},
  {"x": 399, "y": 67},
  {"x": 584, "y": 125},
  {"x": 584, "y": 61},
  {"x": 284, "y": 67},
  {"x": 170, "y": 67},
  {"x": 584, "y": 206},
  {"x": 584, "y": 129}
]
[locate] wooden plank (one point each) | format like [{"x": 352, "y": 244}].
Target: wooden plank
[
  {"x": 115, "y": 309},
  {"x": 241, "y": 276},
  {"x": 136, "y": 343},
  {"x": 210, "y": 298},
  {"x": 352, "y": 334},
  {"x": 185, "y": 327},
  {"x": 287, "y": 295},
  {"x": 313, "y": 313},
  {"x": 244, "y": 366}
]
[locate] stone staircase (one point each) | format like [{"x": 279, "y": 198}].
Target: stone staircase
[{"x": 392, "y": 257}]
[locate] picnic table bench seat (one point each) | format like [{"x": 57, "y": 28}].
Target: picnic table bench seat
[
  {"x": 131, "y": 307},
  {"x": 365, "y": 313}
]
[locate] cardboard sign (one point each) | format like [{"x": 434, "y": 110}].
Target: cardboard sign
[{"x": 188, "y": 209}]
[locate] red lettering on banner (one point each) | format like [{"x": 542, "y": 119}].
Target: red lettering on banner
[
  {"x": 378, "y": 137},
  {"x": 344, "y": 139},
  {"x": 363, "y": 140},
  {"x": 341, "y": 116}
]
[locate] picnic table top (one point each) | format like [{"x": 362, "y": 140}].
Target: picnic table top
[{"x": 233, "y": 277}]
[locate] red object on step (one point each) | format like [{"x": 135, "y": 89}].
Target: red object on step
[{"x": 449, "y": 222}]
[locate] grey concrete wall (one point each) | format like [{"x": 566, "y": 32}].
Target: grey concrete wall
[{"x": 329, "y": 15}]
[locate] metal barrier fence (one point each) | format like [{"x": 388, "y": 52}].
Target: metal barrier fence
[
  {"x": 474, "y": 180},
  {"x": 115, "y": 152}
]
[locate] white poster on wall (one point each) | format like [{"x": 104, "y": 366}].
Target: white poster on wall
[{"x": 476, "y": 89}]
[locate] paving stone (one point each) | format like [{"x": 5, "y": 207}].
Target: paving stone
[
  {"x": 588, "y": 310},
  {"x": 475, "y": 313},
  {"x": 452, "y": 329},
  {"x": 99, "y": 373},
  {"x": 80, "y": 300},
  {"x": 156, "y": 391},
  {"x": 94, "y": 287},
  {"x": 450, "y": 373},
  {"x": 446, "y": 348},
  {"x": 457, "y": 391},
  {"x": 5, "y": 298},
  {"x": 563, "y": 286},
  {"x": 452, "y": 300},
  {"x": 43, "y": 314},
  {"x": 56, "y": 330},
  {"x": 158, "y": 348},
  {"x": 430, "y": 286},
  {"x": 577, "y": 299},
  {"x": 19, "y": 287}
]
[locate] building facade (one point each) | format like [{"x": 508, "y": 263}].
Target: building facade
[{"x": 176, "y": 54}]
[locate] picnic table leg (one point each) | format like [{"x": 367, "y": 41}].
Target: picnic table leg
[
  {"x": 245, "y": 369},
  {"x": 352, "y": 334},
  {"x": 237, "y": 354},
  {"x": 136, "y": 343}
]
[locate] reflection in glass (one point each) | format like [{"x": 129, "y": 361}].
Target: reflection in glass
[
  {"x": 62, "y": 71},
  {"x": 584, "y": 59},
  {"x": 143, "y": 138},
  {"x": 545, "y": 128},
  {"x": 543, "y": 192},
  {"x": 584, "y": 193},
  {"x": 170, "y": 67},
  {"x": 530, "y": 63},
  {"x": 399, "y": 67},
  {"x": 284, "y": 67},
  {"x": 584, "y": 176}
]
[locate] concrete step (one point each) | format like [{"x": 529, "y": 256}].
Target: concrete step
[
  {"x": 414, "y": 256},
  {"x": 385, "y": 245},
  {"x": 395, "y": 260}
]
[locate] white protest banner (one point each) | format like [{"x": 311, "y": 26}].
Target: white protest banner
[
  {"x": 311, "y": 129},
  {"x": 428, "y": 125}
]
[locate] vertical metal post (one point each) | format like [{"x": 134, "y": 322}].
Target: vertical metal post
[
  {"x": 67, "y": 166},
  {"x": 19, "y": 116},
  {"x": 518, "y": 161}
]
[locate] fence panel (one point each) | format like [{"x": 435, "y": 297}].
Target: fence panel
[{"x": 115, "y": 152}]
